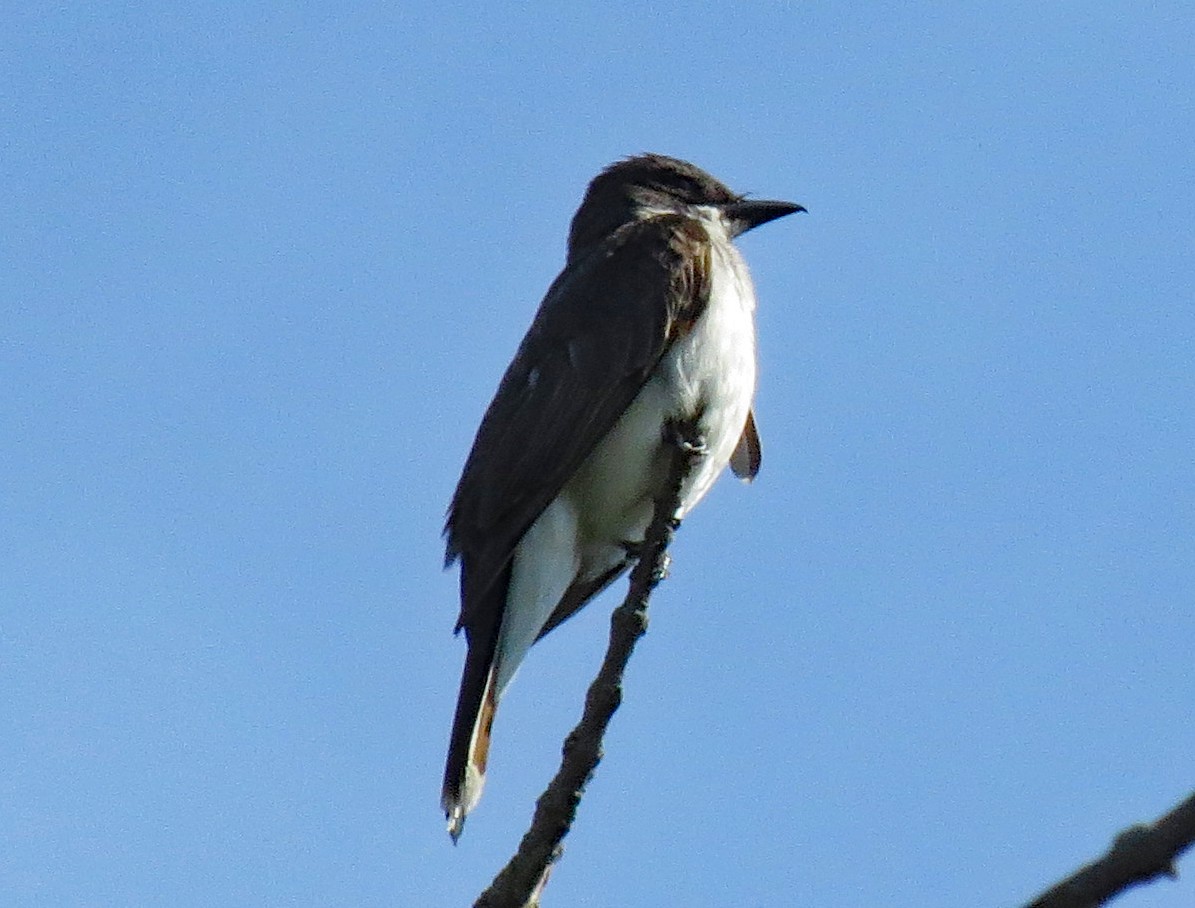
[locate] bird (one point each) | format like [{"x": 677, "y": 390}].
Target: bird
[{"x": 650, "y": 322}]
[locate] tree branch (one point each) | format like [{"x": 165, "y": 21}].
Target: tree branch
[
  {"x": 522, "y": 880},
  {"x": 1138, "y": 855}
]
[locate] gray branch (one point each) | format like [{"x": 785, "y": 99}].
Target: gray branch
[
  {"x": 522, "y": 880},
  {"x": 1138, "y": 855}
]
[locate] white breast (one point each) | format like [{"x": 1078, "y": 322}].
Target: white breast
[
  {"x": 715, "y": 365},
  {"x": 713, "y": 368},
  {"x": 610, "y": 499}
]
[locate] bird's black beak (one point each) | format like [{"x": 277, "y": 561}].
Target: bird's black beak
[{"x": 747, "y": 214}]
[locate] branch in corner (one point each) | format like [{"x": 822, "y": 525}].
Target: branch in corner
[
  {"x": 521, "y": 881},
  {"x": 1138, "y": 855}
]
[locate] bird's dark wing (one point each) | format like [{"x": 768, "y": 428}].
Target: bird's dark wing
[
  {"x": 596, "y": 338},
  {"x": 748, "y": 453}
]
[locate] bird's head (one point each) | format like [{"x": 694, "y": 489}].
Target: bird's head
[{"x": 650, "y": 184}]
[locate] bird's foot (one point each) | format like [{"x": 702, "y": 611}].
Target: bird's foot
[
  {"x": 661, "y": 573},
  {"x": 685, "y": 435},
  {"x": 635, "y": 552}
]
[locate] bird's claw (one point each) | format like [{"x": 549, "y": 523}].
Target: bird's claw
[
  {"x": 685, "y": 436},
  {"x": 661, "y": 573}
]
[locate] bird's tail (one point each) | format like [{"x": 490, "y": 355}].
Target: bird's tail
[{"x": 469, "y": 745}]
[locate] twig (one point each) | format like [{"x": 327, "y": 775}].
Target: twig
[
  {"x": 1138, "y": 855},
  {"x": 522, "y": 880}
]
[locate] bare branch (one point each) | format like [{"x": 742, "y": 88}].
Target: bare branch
[
  {"x": 1138, "y": 855},
  {"x": 521, "y": 881}
]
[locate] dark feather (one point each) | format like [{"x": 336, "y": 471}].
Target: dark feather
[
  {"x": 748, "y": 453},
  {"x": 594, "y": 342}
]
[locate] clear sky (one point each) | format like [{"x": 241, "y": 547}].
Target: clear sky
[{"x": 261, "y": 267}]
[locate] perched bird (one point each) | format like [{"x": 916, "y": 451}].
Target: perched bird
[{"x": 651, "y": 321}]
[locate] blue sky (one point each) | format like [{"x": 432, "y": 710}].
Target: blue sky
[{"x": 262, "y": 268}]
